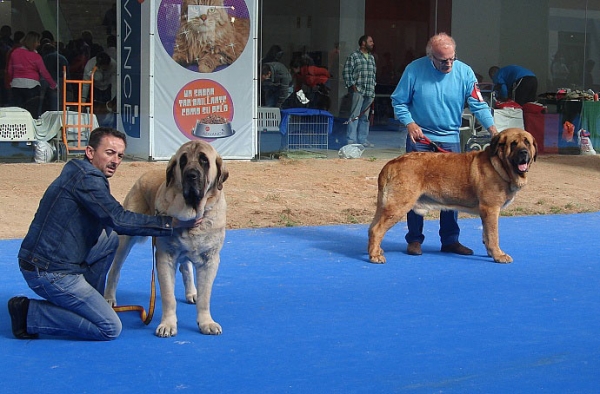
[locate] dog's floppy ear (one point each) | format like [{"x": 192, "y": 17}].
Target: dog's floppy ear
[
  {"x": 171, "y": 170},
  {"x": 495, "y": 144},
  {"x": 535, "y": 146},
  {"x": 222, "y": 173}
]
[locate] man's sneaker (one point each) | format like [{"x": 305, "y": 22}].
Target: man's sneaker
[{"x": 367, "y": 144}]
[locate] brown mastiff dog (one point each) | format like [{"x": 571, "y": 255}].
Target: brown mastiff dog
[
  {"x": 478, "y": 182},
  {"x": 190, "y": 189}
]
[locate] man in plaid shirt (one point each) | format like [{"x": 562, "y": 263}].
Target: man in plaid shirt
[{"x": 359, "y": 77}]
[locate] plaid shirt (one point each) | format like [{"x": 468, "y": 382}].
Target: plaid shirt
[{"x": 360, "y": 72}]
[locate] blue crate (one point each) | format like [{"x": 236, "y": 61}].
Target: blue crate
[{"x": 306, "y": 128}]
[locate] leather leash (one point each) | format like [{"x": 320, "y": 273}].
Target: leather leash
[
  {"x": 146, "y": 317},
  {"x": 436, "y": 147}
]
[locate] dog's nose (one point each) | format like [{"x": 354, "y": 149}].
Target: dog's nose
[
  {"x": 192, "y": 175},
  {"x": 524, "y": 154}
]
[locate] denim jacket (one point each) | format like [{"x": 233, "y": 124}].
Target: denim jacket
[{"x": 74, "y": 210}]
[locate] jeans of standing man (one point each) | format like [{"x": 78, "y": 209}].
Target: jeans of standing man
[
  {"x": 74, "y": 304},
  {"x": 358, "y": 129},
  {"x": 449, "y": 230}
]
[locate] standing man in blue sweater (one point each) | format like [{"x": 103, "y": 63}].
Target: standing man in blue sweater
[
  {"x": 429, "y": 100},
  {"x": 514, "y": 82}
]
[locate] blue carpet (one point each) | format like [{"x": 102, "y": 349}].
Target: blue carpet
[{"x": 303, "y": 311}]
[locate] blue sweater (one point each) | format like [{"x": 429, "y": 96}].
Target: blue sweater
[{"x": 435, "y": 100}]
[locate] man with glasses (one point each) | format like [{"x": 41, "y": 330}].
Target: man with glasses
[{"x": 429, "y": 101}]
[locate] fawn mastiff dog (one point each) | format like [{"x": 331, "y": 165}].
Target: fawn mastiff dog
[
  {"x": 478, "y": 182},
  {"x": 190, "y": 189}
]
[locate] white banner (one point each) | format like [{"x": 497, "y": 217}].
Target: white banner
[{"x": 203, "y": 86}]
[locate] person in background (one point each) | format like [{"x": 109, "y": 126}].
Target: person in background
[
  {"x": 47, "y": 36},
  {"x": 110, "y": 20},
  {"x": 25, "y": 66},
  {"x": 6, "y": 43},
  {"x": 88, "y": 39},
  {"x": 71, "y": 243},
  {"x": 588, "y": 77},
  {"x": 5, "y": 36},
  {"x": 111, "y": 46},
  {"x": 17, "y": 38},
  {"x": 559, "y": 70},
  {"x": 514, "y": 82},
  {"x": 275, "y": 84},
  {"x": 274, "y": 54},
  {"x": 429, "y": 101},
  {"x": 359, "y": 76},
  {"x": 306, "y": 75},
  {"x": 105, "y": 87},
  {"x": 55, "y": 63}
]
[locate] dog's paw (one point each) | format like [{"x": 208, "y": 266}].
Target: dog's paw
[
  {"x": 111, "y": 301},
  {"x": 165, "y": 330},
  {"x": 211, "y": 328},
  {"x": 379, "y": 259},
  {"x": 191, "y": 297},
  {"x": 503, "y": 258}
]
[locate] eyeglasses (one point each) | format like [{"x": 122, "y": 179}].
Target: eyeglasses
[{"x": 444, "y": 61}]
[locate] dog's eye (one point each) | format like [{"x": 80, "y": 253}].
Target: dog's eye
[
  {"x": 203, "y": 160},
  {"x": 183, "y": 161}
]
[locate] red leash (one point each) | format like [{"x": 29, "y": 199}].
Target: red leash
[{"x": 436, "y": 147}]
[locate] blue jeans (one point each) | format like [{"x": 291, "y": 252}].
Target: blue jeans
[
  {"x": 74, "y": 305},
  {"x": 449, "y": 230},
  {"x": 358, "y": 130}
]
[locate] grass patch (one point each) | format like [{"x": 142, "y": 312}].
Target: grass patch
[{"x": 286, "y": 220}]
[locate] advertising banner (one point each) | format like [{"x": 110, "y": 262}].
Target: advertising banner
[{"x": 200, "y": 84}]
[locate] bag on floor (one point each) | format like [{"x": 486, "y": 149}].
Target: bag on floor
[
  {"x": 351, "y": 151},
  {"x": 568, "y": 131},
  {"x": 585, "y": 144},
  {"x": 44, "y": 152}
]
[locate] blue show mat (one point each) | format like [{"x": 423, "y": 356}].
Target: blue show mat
[{"x": 303, "y": 311}]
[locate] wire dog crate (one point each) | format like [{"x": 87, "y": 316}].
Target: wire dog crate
[{"x": 308, "y": 131}]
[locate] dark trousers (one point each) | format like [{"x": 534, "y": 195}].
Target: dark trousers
[
  {"x": 449, "y": 230},
  {"x": 525, "y": 90},
  {"x": 28, "y": 99}
]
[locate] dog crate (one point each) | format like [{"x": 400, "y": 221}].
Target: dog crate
[
  {"x": 17, "y": 135},
  {"x": 306, "y": 129},
  {"x": 267, "y": 126},
  {"x": 16, "y": 125},
  {"x": 268, "y": 119}
]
